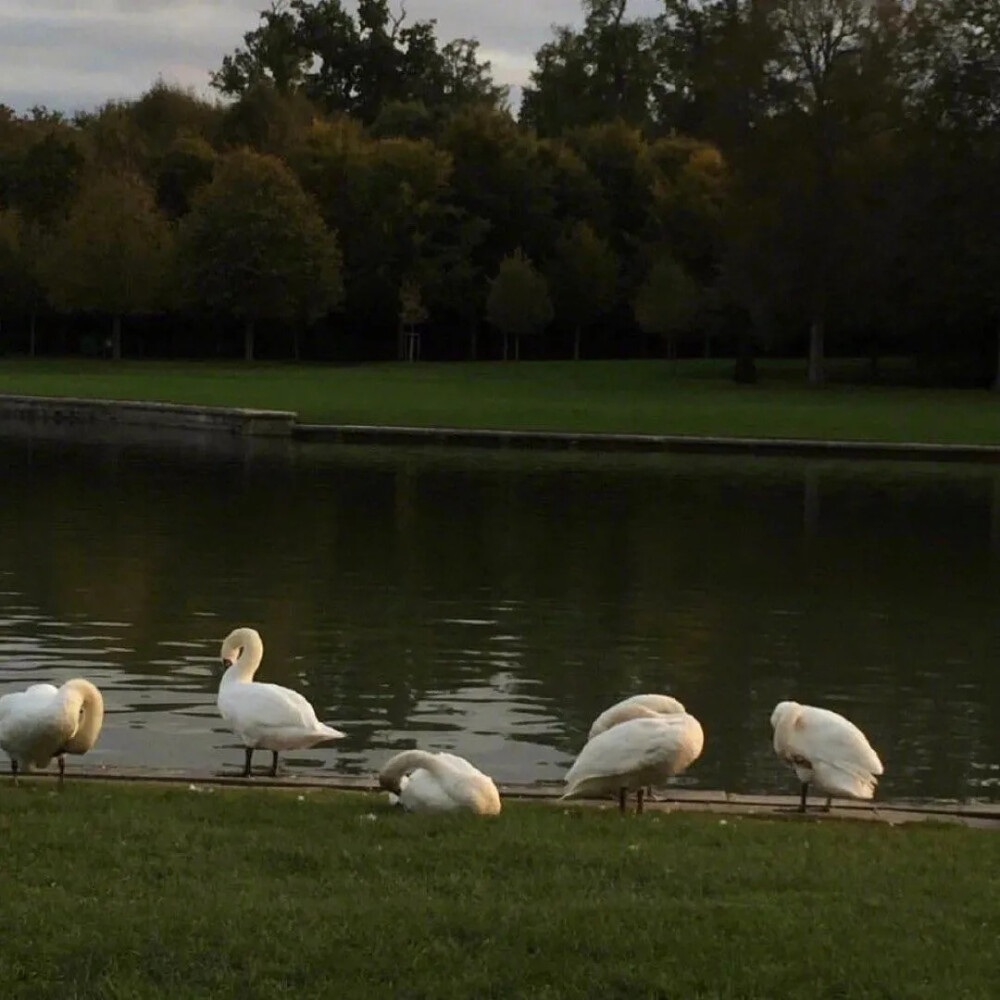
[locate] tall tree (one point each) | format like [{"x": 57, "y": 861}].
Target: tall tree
[
  {"x": 667, "y": 300},
  {"x": 518, "y": 304},
  {"x": 583, "y": 275},
  {"x": 255, "y": 247},
  {"x": 113, "y": 254}
]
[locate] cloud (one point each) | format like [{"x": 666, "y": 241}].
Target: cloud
[{"x": 76, "y": 56}]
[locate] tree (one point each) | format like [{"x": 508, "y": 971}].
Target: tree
[
  {"x": 113, "y": 254},
  {"x": 356, "y": 63},
  {"x": 667, "y": 301},
  {"x": 584, "y": 279},
  {"x": 255, "y": 247},
  {"x": 518, "y": 303},
  {"x": 20, "y": 291},
  {"x": 602, "y": 73}
]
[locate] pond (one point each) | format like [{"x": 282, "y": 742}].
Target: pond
[{"x": 494, "y": 602}]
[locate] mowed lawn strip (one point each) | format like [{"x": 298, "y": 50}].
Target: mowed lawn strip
[
  {"x": 646, "y": 397},
  {"x": 139, "y": 891}
]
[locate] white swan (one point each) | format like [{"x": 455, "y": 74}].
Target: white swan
[
  {"x": 264, "y": 716},
  {"x": 636, "y": 753},
  {"x": 438, "y": 782},
  {"x": 44, "y": 721},
  {"x": 637, "y": 707},
  {"x": 825, "y": 750}
]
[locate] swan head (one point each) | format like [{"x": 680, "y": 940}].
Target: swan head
[
  {"x": 236, "y": 642},
  {"x": 781, "y": 710}
]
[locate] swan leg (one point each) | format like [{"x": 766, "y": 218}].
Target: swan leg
[
  {"x": 802, "y": 800},
  {"x": 638, "y": 800},
  {"x": 62, "y": 769},
  {"x": 13, "y": 769},
  {"x": 829, "y": 804},
  {"x": 622, "y": 792},
  {"x": 274, "y": 764},
  {"x": 246, "y": 766}
]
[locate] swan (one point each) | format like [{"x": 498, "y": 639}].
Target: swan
[
  {"x": 638, "y": 706},
  {"x": 825, "y": 750},
  {"x": 264, "y": 716},
  {"x": 635, "y": 753},
  {"x": 45, "y": 721},
  {"x": 438, "y": 782}
]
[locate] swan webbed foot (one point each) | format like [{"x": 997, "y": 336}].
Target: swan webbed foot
[
  {"x": 802, "y": 800},
  {"x": 249, "y": 758},
  {"x": 638, "y": 800},
  {"x": 274, "y": 764}
]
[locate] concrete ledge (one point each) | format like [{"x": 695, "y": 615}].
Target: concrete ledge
[
  {"x": 73, "y": 412},
  {"x": 559, "y": 440},
  {"x": 977, "y": 814}
]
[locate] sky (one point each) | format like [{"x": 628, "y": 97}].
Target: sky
[{"x": 75, "y": 54}]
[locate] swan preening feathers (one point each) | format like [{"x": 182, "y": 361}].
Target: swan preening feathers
[
  {"x": 825, "y": 750},
  {"x": 641, "y": 741},
  {"x": 264, "y": 716},
  {"x": 643, "y": 750},
  {"x": 438, "y": 782},
  {"x": 44, "y": 721}
]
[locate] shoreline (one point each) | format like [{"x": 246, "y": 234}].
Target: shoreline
[
  {"x": 66, "y": 415},
  {"x": 985, "y": 815}
]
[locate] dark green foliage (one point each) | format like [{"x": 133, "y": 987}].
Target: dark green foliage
[{"x": 148, "y": 892}]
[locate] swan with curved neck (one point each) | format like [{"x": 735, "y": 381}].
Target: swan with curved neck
[
  {"x": 826, "y": 750},
  {"x": 44, "y": 721},
  {"x": 264, "y": 716},
  {"x": 638, "y": 706},
  {"x": 636, "y": 753},
  {"x": 438, "y": 782}
]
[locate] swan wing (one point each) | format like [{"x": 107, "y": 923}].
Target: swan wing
[
  {"x": 32, "y": 729},
  {"x": 255, "y": 709},
  {"x": 423, "y": 791},
  {"x": 636, "y": 706},
  {"x": 664, "y": 744},
  {"x": 821, "y": 736}
]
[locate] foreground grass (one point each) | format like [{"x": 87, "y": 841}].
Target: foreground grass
[
  {"x": 654, "y": 397},
  {"x": 113, "y": 891}
]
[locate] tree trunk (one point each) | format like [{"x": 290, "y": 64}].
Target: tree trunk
[
  {"x": 505, "y": 345},
  {"x": 815, "y": 374},
  {"x": 116, "y": 338},
  {"x": 473, "y": 341},
  {"x": 517, "y": 347},
  {"x": 295, "y": 343},
  {"x": 708, "y": 344},
  {"x": 31, "y": 335},
  {"x": 576, "y": 344},
  {"x": 248, "y": 332}
]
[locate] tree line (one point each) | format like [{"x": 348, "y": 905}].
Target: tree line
[{"x": 796, "y": 176}]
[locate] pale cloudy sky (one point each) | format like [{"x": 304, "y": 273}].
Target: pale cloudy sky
[{"x": 76, "y": 54}]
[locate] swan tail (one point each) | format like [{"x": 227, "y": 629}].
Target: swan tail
[
  {"x": 329, "y": 733},
  {"x": 845, "y": 780}
]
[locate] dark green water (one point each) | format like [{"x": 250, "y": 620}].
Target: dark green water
[{"x": 493, "y": 603}]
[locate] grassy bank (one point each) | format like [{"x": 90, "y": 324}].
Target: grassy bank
[
  {"x": 656, "y": 397},
  {"x": 138, "y": 892}
]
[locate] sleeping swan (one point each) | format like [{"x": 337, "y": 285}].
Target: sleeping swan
[
  {"x": 438, "y": 782},
  {"x": 44, "y": 721},
  {"x": 825, "y": 750},
  {"x": 633, "y": 754},
  {"x": 264, "y": 716},
  {"x": 636, "y": 707}
]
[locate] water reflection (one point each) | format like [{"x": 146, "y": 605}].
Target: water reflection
[{"x": 492, "y": 603}]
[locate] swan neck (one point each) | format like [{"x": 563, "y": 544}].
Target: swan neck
[
  {"x": 84, "y": 707},
  {"x": 246, "y": 666},
  {"x": 402, "y": 764}
]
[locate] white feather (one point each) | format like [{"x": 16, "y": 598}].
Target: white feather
[
  {"x": 44, "y": 721},
  {"x": 636, "y": 753},
  {"x": 264, "y": 716},
  {"x": 826, "y": 750},
  {"x": 438, "y": 782},
  {"x": 636, "y": 707}
]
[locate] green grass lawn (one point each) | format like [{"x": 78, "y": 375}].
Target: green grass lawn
[
  {"x": 658, "y": 397},
  {"x": 114, "y": 891}
]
